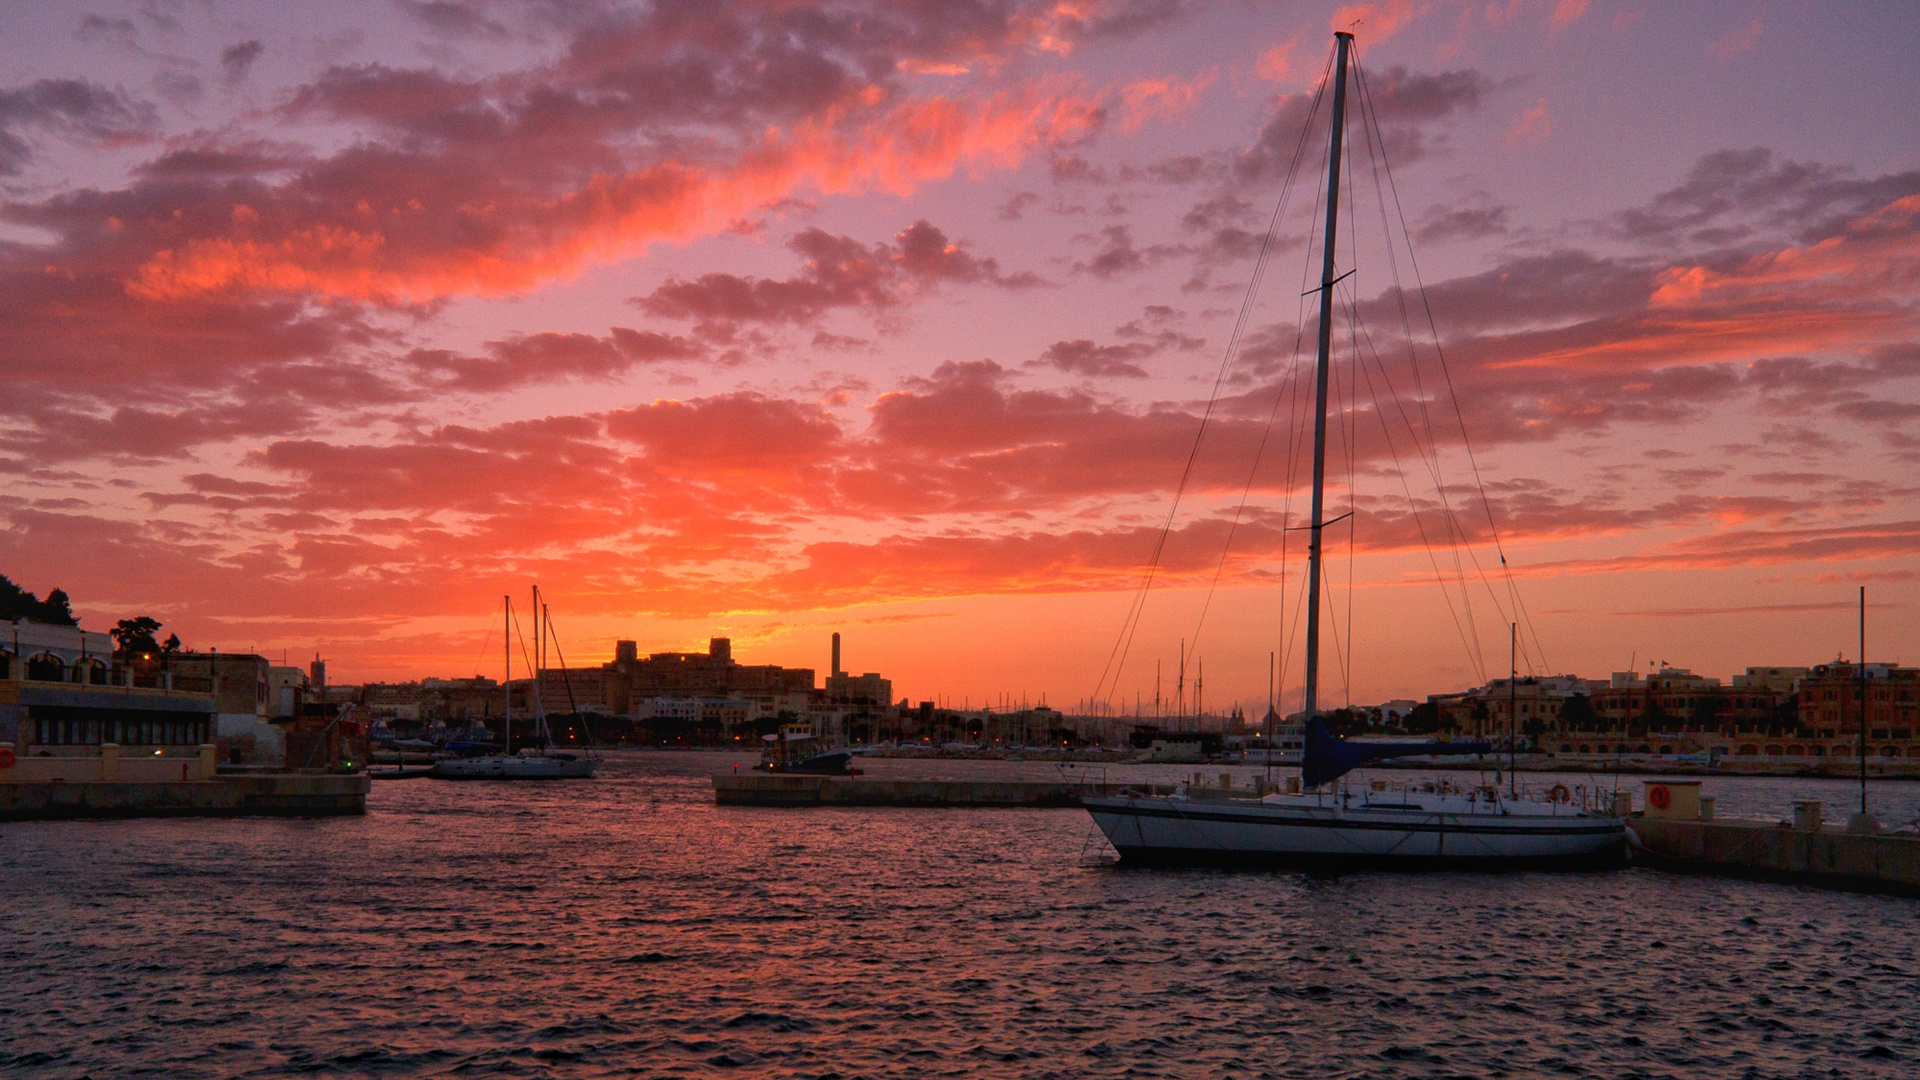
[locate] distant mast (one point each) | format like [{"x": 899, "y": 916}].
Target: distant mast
[
  {"x": 506, "y": 682},
  {"x": 1343, "y": 41}
]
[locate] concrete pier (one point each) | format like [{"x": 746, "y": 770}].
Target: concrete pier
[
  {"x": 763, "y": 789},
  {"x": 1822, "y": 855},
  {"x": 252, "y": 794}
]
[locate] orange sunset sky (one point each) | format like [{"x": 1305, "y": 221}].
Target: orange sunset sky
[{"x": 324, "y": 326}]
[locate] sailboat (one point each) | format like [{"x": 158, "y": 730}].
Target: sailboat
[
  {"x": 540, "y": 762},
  {"x": 1317, "y": 825}
]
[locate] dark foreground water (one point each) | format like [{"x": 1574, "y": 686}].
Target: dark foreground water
[{"x": 627, "y": 927}]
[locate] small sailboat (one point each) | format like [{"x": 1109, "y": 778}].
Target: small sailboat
[
  {"x": 1478, "y": 827},
  {"x": 540, "y": 762}
]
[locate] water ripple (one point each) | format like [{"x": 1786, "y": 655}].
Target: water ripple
[{"x": 629, "y": 927}]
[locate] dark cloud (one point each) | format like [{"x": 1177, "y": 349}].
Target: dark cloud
[
  {"x": 549, "y": 357},
  {"x": 238, "y": 59},
  {"x": 1407, "y": 105},
  {"x": 1118, "y": 256},
  {"x": 1732, "y": 196},
  {"x": 98, "y": 28},
  {"x": 1016, "y": 205},
  {"x": 68, "y": 109},
  {"x": 839, "y": 272},
  {"x": 1083, "y": 357},
  {"x": 1441, "y": 224},
  {"x": 455, "y": 20}
]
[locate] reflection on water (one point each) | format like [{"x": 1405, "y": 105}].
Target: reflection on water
[{"x": 626, "y": 926}]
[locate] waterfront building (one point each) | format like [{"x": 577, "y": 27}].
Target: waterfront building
[
  {"x": 242, "y": 686},
  {"x": 1829, "y": 704},
  {"x": 49, "y": 652},
  {"x": 1530, "y": 706},
  {"x": 724, "y": 714},
  {"x": 869, "y": 689},
  {"x": 712, "y": 674},
  {"x": 569, "y": 690}
]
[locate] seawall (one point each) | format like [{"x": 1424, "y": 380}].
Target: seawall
[
  {"x": 762, "y": 789},
  {"x": 255, "y": 794},
  {"x": 1823, "y": 855}
]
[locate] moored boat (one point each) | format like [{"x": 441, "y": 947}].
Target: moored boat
[
  {"x": 1318, "y": 825},
  {"x": 544, "y": 762}
]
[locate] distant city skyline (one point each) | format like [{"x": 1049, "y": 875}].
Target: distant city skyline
[{"x": 327, "y": 327}]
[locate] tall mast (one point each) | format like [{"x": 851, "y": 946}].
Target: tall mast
[
  {"x": 539, "y": 661},
  {"x": 1342, "y": 41},
  {"x": 506, "y": 681},
  {"x": 1863, "y": 703}
]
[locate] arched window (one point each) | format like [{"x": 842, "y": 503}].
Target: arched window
[
  {"x": 46, "y": 667},
  {"x": 1748, "y": 750},
  {"x": 1796, "y": 750},
  {"x": 90, "y": 671}
]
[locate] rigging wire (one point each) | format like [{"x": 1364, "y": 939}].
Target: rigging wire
[
  {"x": 1358, "y": 328},
  {"x": 1455, "y": 533},
  {"x": 1289, "y": 391},
  {"x": 1368, "y": 106},
  {"x": 1117, "y": 658}
]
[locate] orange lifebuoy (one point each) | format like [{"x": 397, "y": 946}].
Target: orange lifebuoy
[
  {"x": 1659, "y": 797},
  {"x": 6, "y": 757},
  {"x": 1560, "y": 794}
]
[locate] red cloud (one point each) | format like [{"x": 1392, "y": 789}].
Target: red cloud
[{"x": 398, "y": 226}]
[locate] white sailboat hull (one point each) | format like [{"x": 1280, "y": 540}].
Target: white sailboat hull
[
  {"x": 500, "y": 767},
  {"x": 1306, "y": 830}
]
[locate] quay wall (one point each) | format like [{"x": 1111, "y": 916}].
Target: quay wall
[
  {"x": 256, "y": 794},
  {"x": 1873, "y": 862},
  {"x": 107, "y": 762},
  {"x": 762, "y": 789}
]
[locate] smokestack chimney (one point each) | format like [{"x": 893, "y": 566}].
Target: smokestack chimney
[{"x": 836, "y": 654}]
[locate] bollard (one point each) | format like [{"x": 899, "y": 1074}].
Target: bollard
[
  {"x": 1226, "y": 781},
  {"x": 1706, "y": 808},
  {"x": 109, "y": 761},
  {"x": 1623, "y": 804},
  {"x": 1806, "y": 815}
]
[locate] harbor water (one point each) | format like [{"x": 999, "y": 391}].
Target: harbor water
[{"x": 626, "y": 926}]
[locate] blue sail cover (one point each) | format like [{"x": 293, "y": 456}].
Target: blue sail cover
[{"x": 1327, "y": 758}]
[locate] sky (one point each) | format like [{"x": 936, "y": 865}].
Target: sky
[{"x": 326, "y": 326}]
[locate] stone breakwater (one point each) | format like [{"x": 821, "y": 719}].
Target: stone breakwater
[
  {"x": 255, "y": 794},
  {"x": 1823, "y": 855}
]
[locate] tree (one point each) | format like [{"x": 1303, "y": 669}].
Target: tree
[
  {"x": 18, "y": 603},
  {"x": 1707, "y": 710},
  {"x": 1576, "y": 714},
  {"x": 57, "y": 609},
  {"x": 1533, "y": 727},
  {"x": 136, "y": 635},
  {"x": 1423, "y": 720}
]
